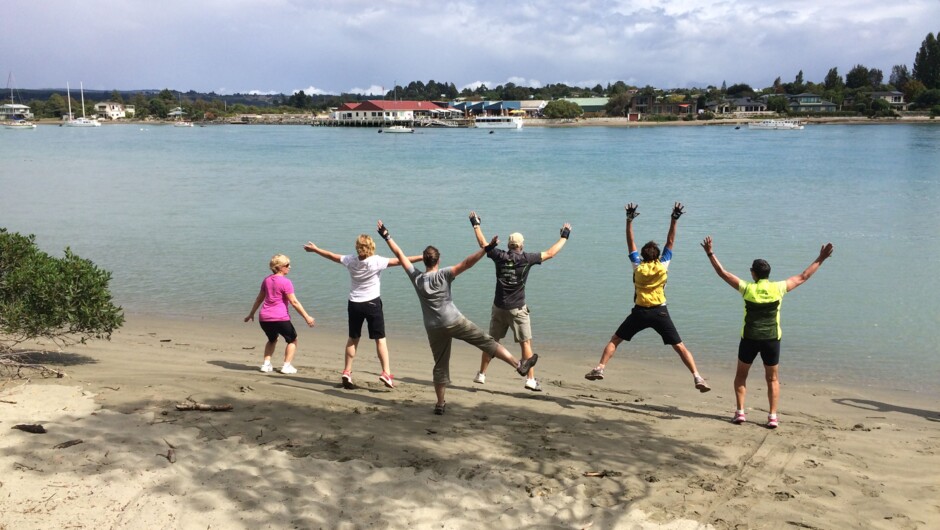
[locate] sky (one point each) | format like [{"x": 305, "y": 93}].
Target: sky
[{"x": 366, "y": 47}]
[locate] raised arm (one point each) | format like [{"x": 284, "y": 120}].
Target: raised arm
[
  {"x": 631, "y": 215},
  {"x": 729, "y": 278},
  {"x": 403, "y": 260},
  {"x": 562, "y": 239},
  {"x": 477, "y": 231},
  {"x": 472, "y": 259},
  {"x": 393, "y": 262},
  {"x": 332, "y": 256},
  {"x": 677, "y": 211},
  {"x": 795, "y": 281}
]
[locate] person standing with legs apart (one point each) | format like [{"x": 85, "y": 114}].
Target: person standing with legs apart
[
  {"x": 365, "y": 302},
  {"x": 442, "y": 320},
  {"x": 275, "y": 294},
  {"x": 649, "y": 282},
  {"x": 761, "y": 332},
  {"x": 509, "y": 305}
]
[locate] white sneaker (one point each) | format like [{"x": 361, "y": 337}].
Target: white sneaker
[
  {"x": 288, "y": 369},
  {"x": 266, "y": 367},
  {"x": 533, "y": 385},
  {"x": 480, "y": 378}
]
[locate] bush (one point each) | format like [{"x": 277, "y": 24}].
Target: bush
[
  {"x": 935, "y": 111},
  {"x": 63, "y": 299}
]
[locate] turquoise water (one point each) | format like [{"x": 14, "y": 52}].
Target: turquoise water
[{"x": 187, "y": 219}]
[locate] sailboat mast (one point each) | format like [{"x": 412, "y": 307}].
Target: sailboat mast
[
  {"x": 82, "y": 87},
  {"x": 68, "y": 97}
]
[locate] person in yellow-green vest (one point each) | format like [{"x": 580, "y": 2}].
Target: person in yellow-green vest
[
  {"x": 649, "y": 310},
  {"x": 761, "y": 332}
]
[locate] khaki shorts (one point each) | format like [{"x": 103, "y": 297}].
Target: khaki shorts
[
  {"x": 502, "y": 320},
  {"x": 440, "y": 340}
]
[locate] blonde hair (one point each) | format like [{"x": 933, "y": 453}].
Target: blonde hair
[
  {"x": 278, "y": 261},
  {"x": 365, "y": 246}
]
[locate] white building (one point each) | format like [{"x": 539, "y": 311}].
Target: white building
[
  {"x": 13, "y": 111},
  {"x": 111, "y": 110}
]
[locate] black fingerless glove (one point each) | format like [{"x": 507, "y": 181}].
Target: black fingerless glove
[
  {"x": 632, "y": 213},
  {"x": 384, "y": 233},
  {"x": 474, "y": 220},
  {"x": 677, "y": 211},
  {"x": 565, "y": 232},
  {"x": 489, "y": 247}
]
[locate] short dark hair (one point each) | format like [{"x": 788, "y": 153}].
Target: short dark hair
[
  {"x": 431, "y": 256},
  {"x": 761, "y": 269},
  {"x": 650, "y": 251}
]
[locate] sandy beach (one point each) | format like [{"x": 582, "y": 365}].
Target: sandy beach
[{"x": 641, "y": 449}]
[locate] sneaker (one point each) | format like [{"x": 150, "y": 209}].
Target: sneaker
[
  {"x": 288, "y": 369},
  {"x": 595, "y": 374},
  {"x": 701, "y": 385},
  {"x": 347, "y": 380},
  {"x": 480, "y": 378},
  {"x": 738, "y": 418},
  {"x": 387, "y": 379},
  {"x": 772, "y": 422},
  {"x": 266, "y": 367},
  {"x": 525, "y": 364},
  {"x": 439, "y": 409},
  {"x": 533, "y": 385}
]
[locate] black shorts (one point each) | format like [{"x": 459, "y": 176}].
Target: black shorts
[
  {"x": 283, "y": 328},
  {"x": 649, "y": 317},
  {"x": 769, "y": 351},
  {"x": 371, "y": 313}
]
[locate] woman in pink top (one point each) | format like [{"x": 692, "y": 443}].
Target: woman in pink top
[{"x": 276, "y": 292}]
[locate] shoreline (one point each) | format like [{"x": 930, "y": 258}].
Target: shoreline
[{"x": 640, "y": 449}]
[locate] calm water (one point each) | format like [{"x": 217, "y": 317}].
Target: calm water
[{"x": 187, "y": 219}]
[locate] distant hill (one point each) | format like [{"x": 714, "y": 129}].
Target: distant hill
[{"x": 258, "y": 100}]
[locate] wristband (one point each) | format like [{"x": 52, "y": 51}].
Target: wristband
[
  {"x": 565, "y": 232},
  {"x": 709, "y": 254}
]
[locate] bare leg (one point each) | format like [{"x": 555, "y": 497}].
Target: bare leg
[
  {"x": 381, "y": 349},
  {"x": 504, "y": 354},
  {"x": 439, "y": 390},
  {"x": 289, "y": 352},
  {"x": 609, "y": 351},
  {"x": 740, "y": 384},
  {"x": 484, "y": 362},
  {"x": 686, "y": 357},
  {"x": 773, "y": 387},
  {"x": 351, "y": 344},
  {"x": 527, "y": 353},
  {"x": 269, "y": 351}
]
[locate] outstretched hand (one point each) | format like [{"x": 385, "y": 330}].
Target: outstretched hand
[
  {"x": 380, "y": 228},
  {"x": 492, "y": 244},
  {"x": 631, "y": 211},
  {"x": 707, "y": 244},
  {"x": 474, "y": 219},
  {"x": 310, "y": 247},
  {"x": 565, "y": 230},
  {"x": 825, "y": 252},
  {"x": 677, "y": 210}
]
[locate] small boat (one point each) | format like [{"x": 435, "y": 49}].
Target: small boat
[
  {"x": 397, "y": 129},
  {"x": 793, "y": 125},
  {"x": 497, "y": 122},
  {"x": 20, "y": 124},
  {"x": 83, "y": 121},
  {"x": 180, "y": 122}
]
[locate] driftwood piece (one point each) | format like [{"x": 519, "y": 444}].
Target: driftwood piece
[
  {"x": 35, "y": 429},
  {"x": 601, "y": 474},
  {"x": 192, "y": 405},
  {"x": 69, "y": 443}
]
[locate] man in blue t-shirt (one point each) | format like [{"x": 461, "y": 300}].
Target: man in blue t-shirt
[{"x": 509, "y": 304}]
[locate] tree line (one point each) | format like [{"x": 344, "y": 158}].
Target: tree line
[{"x": 920, "y": 85}]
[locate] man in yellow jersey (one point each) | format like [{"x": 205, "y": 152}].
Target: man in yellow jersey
[
  {"x": 649, "y": 310},
  {"x": 761, "y": 332}
]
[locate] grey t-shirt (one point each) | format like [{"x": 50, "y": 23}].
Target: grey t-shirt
[{"x": 433, "y": 290}]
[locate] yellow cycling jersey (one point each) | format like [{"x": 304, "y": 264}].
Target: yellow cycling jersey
[{"x": 649, "y": 282}]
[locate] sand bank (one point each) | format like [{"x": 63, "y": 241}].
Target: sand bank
[{"x": 640, "y": 449}]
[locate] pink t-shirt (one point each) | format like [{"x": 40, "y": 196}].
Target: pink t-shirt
[{"x": 274, "y": 308}]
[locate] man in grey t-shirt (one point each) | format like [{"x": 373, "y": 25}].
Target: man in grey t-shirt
[{"x": 442, "y": 320}]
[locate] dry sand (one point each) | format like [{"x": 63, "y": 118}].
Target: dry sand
[{"x": 299, "y": 451}]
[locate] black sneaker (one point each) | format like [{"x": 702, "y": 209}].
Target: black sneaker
[{"x": 525, "y": 364}]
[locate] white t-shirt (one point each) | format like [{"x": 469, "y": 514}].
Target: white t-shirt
[{"x": 364, "y": 274}]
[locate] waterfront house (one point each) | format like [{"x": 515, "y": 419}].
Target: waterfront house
[
  {"x": 808, "y": 102},
  {"x": 15, "y": 111},
  {"x": 893, "y": 97},
  {"x": 662, "y": 105},
  {"x": 590, "y": 106},
  {"x": 382, "y": 112},
  {"x": 111, "y": 110},
  {"x": 738, "y": 106}
]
